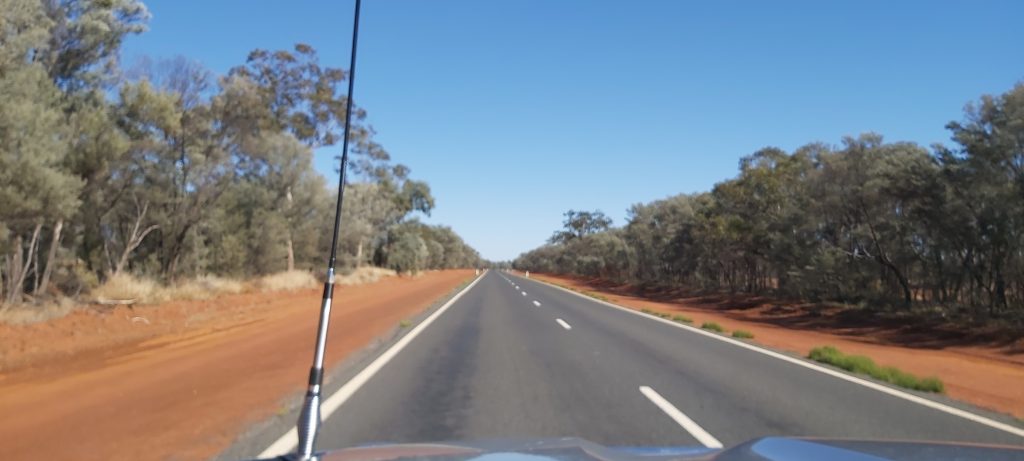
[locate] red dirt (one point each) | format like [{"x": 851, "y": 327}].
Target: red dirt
[
  {"x": 98, "y": 385},
  {"x": 987, "y": 371}
]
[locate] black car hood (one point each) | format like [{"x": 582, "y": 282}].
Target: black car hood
[{"x": 764, "y": 449}]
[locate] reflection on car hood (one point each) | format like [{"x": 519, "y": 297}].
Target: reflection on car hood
[{"x": 764, "y": 449}]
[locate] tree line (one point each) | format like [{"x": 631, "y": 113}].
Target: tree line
[
  {"x": 166, "y": 170},
  {"x": 870, "y": 222}
]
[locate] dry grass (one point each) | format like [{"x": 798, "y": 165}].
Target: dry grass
[
  {"x": 204, "y": 287},
  {"x": 367, "y": 274},
  {"x": 125, "y": 287},
  {"x": 286, "y": 281},
  {"x": 26, "y": 314},
  {"x": 297, "y": 280}
]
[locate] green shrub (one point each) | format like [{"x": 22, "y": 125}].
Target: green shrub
[
  {"x": 404, "y": 324},
  {"x": 682, "y": 319},
  {"x": 824, "y": 354},
  {"x": 932, "y": 384},
  {"x": 863, "y": 365},
  {"x": 712, "y": 326},
  {"x": 742, "y": 334}
]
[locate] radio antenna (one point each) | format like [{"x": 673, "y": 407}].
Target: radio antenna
[{"x": 308, "y": 426}]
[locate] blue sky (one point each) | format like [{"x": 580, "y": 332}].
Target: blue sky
[{"x": 516, "y": 111}]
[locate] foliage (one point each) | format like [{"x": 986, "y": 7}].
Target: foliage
[
  {"x": 579, "y": 224},
  {"x": 34, "y": 188},
  {"x": 888, "y": 225},
  {"x": 412, "y": 246},
  {"x": 681, "y": 319},
  {"x": 166, "y": 172},
  {"x": 865, "y": 366},
  {"x": 742, "y": 334},
  {"x": 712, "y": 326}
]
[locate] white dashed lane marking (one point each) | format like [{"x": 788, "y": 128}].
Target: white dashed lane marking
[{"x": 688, "y": 424}]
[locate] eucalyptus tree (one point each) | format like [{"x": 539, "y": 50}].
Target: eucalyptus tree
[
  {"x": 34, "y": 187},
  {"x": 879, "y": 223}
]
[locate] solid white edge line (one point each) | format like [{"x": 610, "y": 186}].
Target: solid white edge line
[
  {"x": 287, "y": 442},
  {"x": 836, "y": 374},
  {"x": 679, "y": 417},
  {"x": 536, "y": 303},
  {"x": 563, "y": 324}
]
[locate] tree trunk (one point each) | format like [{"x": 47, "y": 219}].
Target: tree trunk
[
  {"x": 35, "y": 271},
  {"x": 172, "y": 268},
  {"x": 884, "y": 260},
  {"x": 51, "y": 256},
  {"x": 904, "y": 283},
  {"x": 999, "y": 288},
  {"x": 135, "y": 237},
  {"x": 31, "y": 258},
  {"x": 128, "y": 249},
  {"x": 14, "y": 268},
  {"x": 5, "y": 269},
  {"x": 291, "y": 253},
  {"x": 291, "y": 247},
  {"x": 22, "y": 265},
  {"x": 359, "y": 254},
  {"x": 173, "y": 253}
]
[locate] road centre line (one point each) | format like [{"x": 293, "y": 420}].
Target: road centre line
[
  {"x": 535, "y": 303},
  {"x": 688, "y": 424},
  {"x": 563, "y": 324}
]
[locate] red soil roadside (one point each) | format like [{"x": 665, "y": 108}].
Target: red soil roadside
[
  {"x": 989, "y": 374},
  {"x": 182, "y": 383}
]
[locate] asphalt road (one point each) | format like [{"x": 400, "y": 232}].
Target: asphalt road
[{"x": 498, "y": 365}]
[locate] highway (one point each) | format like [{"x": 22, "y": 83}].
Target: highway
[{"x": 513, "y": 357}]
